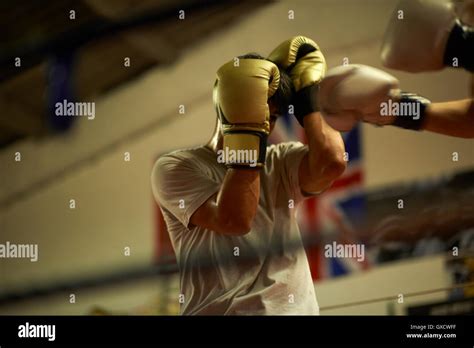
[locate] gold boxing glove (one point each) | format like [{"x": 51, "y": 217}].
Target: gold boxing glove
[
  {"x": 241, "y": 94},
  {"x": 302, "y": 59}
]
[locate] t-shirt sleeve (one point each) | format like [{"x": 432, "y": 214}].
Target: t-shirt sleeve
[
  {"x": 180, "y": 186},
  {"x": 290, "y": 156}
]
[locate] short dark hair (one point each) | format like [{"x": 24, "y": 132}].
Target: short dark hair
[{"x": 283, "y": 95}]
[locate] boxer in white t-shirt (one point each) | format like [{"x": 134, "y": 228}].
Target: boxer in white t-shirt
[{"x": 230, "y": 204}]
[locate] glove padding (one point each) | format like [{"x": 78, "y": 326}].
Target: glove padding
[
  {"x": 241, "y": 94},
  {"x": 348, "y": 92},
  {"x": 352, "y": 93},
  {"x": 427, "y": 38},
  {"x": 304, "y": 62}
]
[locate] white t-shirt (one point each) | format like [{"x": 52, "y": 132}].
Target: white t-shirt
[{"x": 265, "y": 271}]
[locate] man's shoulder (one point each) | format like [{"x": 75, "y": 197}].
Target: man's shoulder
[
  {"x": 182, "y": 155},
  {"x": 182, "y": 160},
  {"x": 177, "y": 164},
  {"x": 282, "y": 148}
]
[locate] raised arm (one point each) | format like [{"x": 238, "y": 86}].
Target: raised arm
[
  {"x": 324, "y": 161},
  {"x": 232, "y": 210},
  {"x": 303, "y": 60},
  {"x": 241, "y": 95}
]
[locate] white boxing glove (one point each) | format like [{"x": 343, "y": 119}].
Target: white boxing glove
[
  {"x": 425, "y": 35},
  {"x": 352, "y": 93}
]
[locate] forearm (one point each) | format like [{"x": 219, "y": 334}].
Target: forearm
[
  {"x": 455, "y": 118},
  {"x": 325, "y": 158},
  {"x": 238, "y": 198}
]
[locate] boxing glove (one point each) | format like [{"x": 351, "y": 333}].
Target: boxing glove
[
  {"x": 241, "y": 94},
  {"x": 352, "y": 93},
  {"x": 302, "y": 59},
  {"x": 425, "y": 35}
]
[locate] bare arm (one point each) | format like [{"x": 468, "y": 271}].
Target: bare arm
[
  {"x": 324, "y": 161},
  {"x": 455, "y": 118},
  {"x": 232, "y": 210}
]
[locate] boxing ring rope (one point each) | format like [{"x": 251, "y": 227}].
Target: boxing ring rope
[
  {"x": 395, "y": 297},
  {"x": 165, "y": 269}
]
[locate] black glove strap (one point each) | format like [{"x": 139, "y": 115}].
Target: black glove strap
[
  {"x": 409, "y": 122},
  {"x": 304, "y": 102},
  {"x": 460, "y": 46}
]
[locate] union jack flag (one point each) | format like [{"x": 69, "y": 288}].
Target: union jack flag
[{"x": 333, "y": 215}]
